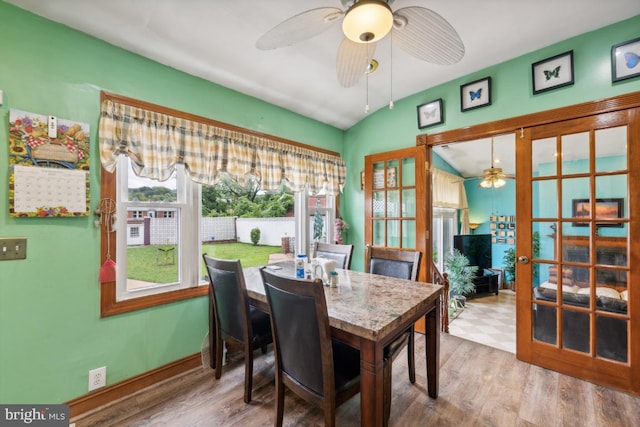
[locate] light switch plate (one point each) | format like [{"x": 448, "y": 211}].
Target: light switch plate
[
  {"x": 1, "y": 98},
  {"x": 53, "y": 127},
  {"x": 13, "y": 248}
]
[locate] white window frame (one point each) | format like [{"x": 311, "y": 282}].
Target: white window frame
[
  {"x": 304, "y": 220},
  {"x": 188, "y": 210}
]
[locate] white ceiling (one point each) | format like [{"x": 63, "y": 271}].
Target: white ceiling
[{"x": 215, "y": 40}]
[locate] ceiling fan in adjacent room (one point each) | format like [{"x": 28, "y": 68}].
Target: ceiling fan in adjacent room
[
  {"x": 418, "y": 31},
  {"x": 493, "y": 177}
]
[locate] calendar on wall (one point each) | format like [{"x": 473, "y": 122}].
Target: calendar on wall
[
  {"x": 503, "y": 229},
  {"x": 48, "y": 166}
]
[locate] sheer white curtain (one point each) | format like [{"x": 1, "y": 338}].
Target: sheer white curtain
[{"x": 448, "y": 192}]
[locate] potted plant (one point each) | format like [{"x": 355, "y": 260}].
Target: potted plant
[
  {"x": 461, "y": 276},
  {"x": 509, "y": 261}
]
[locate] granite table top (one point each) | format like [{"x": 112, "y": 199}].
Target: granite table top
[{"x": 367, "y": 305}]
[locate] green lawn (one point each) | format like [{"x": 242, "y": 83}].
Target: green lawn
[{"x": 155, "y": 263}]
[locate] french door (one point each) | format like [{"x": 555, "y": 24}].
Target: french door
[
  {"x": 395, "y": 184},
  {"x": 577, "y": 210}
]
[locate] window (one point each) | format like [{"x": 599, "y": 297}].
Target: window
[
  {"x": 160, "y": 258},
  {"x": 179, "y": 159}
]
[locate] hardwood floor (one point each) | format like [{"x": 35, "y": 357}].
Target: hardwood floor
[{"x": 479, "y": 386}]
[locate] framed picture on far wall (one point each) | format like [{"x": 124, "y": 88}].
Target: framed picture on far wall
[
  {"x": 552, "y": 73},
  {"x": 607, "y": 209},
  {"x": 430, "y": 113},
  {"x": 475, "y": 94},
  {"x": 625, "y": 60}
]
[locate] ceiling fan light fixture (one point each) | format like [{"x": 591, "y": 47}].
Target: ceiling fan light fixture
[{"x": 367, "y": 21}]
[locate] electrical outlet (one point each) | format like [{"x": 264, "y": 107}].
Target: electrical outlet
[{"x": 97, "y": 378}]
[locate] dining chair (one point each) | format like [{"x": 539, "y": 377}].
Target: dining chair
[
  {"x": 319, "y": 369},
  {"x": 403, "y": 265},
  {"x": 339, "y": 253},
  {"x": 231, "y": 317}
]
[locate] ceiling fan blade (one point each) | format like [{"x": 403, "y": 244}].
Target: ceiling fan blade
[
  {"x": 300, "y": 27},
  {"x": 426, "y": 35},
  {"x": 353, "y": 60}
]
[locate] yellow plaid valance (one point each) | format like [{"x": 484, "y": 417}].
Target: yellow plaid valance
[{"x": 155, "y": 142}]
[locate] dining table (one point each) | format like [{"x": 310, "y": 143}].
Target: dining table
[{"x": 368, "y": 311}]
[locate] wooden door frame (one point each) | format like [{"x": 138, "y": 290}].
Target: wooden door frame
[{"x": 518, "y": 125}]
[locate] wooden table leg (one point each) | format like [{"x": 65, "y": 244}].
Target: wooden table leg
[
  {"x": 432, "y": 321},
  {"x": 371, "y": 386}
]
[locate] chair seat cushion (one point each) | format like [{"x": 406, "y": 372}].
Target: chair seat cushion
[
  {"x": 261, "y": 327},
  {"x": 396, "y": 345},
  {"x": 346, "y": 365}
]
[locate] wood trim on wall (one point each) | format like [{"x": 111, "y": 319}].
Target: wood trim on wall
[{"x": 109, "y": 394}]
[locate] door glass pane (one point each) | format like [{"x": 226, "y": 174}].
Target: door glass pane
[
  {"x": 611, "y": 149},
  {"x": 544, "y": 321},
  {"x": 575, "y": 330},
  {"x": 575, "y": 153},
  {"x": 393, "y": 203},
  {"x": 544, "y": 198},
  {"x": 409, "y": 172},
  {"x": 611, "y": 194},
  {"x": 543, "y": 235},
  {"x": 409, "y": 203},
  {"x": 378, "y": 233},
  {"x": 393, "y": 233},
  {"x": 543, "y": 157},
  {"x": 378, "y": 175},
  {"x": 612, "y": 337},
  {"x": 545, "y": 277},
  {"x": 575, "y": 198},
  {"x": 409, "y": 234},
  {"x": 378, "y": 203},
  {"x": 393, "y": 179}
]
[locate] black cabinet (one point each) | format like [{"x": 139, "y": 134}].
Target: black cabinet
[{"x": 485, "y": 284}]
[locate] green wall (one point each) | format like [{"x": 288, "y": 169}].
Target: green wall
[
  {"x": 51, "y": 334},
  {"x": 511, "y": 94}
]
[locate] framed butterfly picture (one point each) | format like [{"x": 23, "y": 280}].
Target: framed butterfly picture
[
  {"x": 552, "y": 73},
  {"x": 625, "y": 60},
  {"x": 430, "y": 114},
  {"x": 475, "y": 94}
]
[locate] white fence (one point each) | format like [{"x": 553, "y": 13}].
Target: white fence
[{"x": 162, "y": 231}]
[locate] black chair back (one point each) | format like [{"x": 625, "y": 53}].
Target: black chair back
[
  {"x": 230, "y": 305},
  {"x": 321, "y": 370},
  {"x": 298, "y": 309},
  {"x": 232, "y": 318},
  {"x": 392, "y": 262}
]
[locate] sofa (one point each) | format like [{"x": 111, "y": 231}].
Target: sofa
[{"x": 611, "y": 332}]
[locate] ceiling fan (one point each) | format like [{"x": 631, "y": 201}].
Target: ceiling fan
[
  {"x": 493, "y": 177},
  {"x": 418, "y": 31}
]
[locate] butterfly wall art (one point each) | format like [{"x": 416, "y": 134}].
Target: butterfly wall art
[
  {"x": 552, "y": 73},
  {"x": 475, "y": 94},
  {"x": 625, "y": 60},
  {"x": 430, "y": 113}
]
